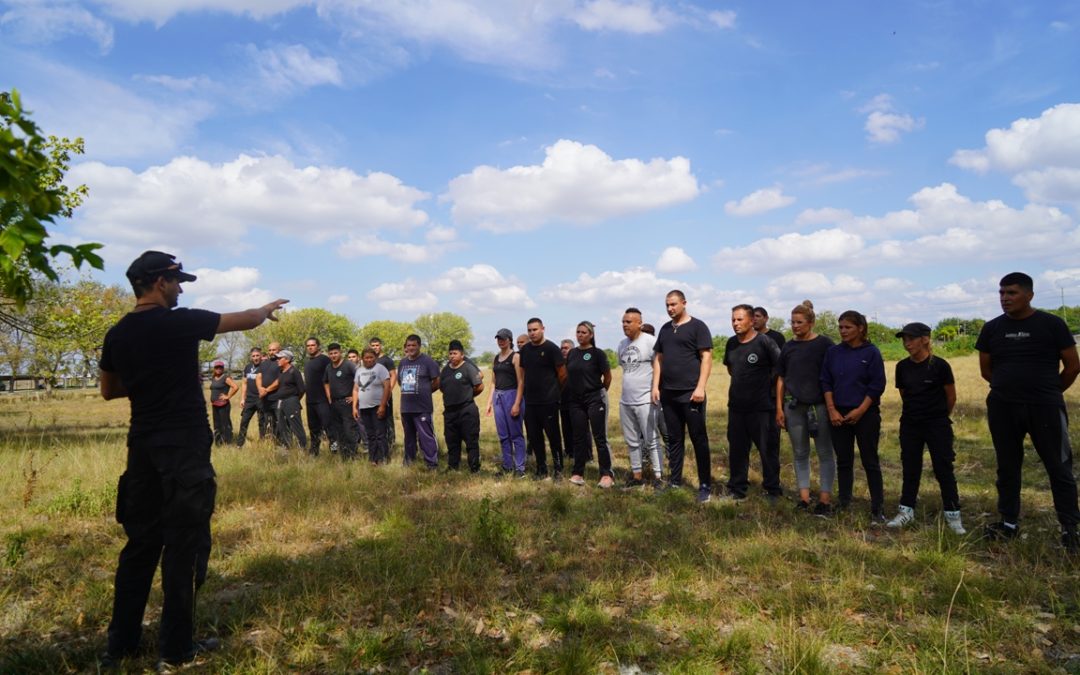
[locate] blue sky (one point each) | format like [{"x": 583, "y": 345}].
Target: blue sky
[{"x": 503, "y": 159}]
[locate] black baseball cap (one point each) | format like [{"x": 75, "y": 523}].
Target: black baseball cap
[
  {"x": 153, "y": 264},
  {"x": 914, "y": 329},
  {"x": 504, "y": 334}
]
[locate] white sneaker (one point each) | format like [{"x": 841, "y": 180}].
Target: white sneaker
[
  {"x": 952, "y": 519},
  {"x": 904, "y": 517}
]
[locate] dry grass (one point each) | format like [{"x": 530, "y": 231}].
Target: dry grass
[{"x": 321, "y": 566}]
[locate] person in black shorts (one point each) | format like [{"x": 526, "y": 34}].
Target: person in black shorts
[
  {"x": 751, "y": 360},
  {"x": 928, "y": 391},
  {"x": 249, "y": 394},
  {"x": 544, "y": 370},
  {"x": 166, "y": 496},
  {"x": 289, "y": 388},
  {"x": 338, "y": 383},
  {"x": 318, "y": 406},
  {"x": 588, "y": 375},
  {"x": 460, "y": 382},
  {"x": 683, "y": 364},
  {"x": 1029, "y": 358}
]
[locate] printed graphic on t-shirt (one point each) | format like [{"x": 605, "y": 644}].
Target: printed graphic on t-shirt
[
  {"x": 631, "y": 359},
  {"x": 409, "y": 376},
  {"x": 365, "y": 379}
]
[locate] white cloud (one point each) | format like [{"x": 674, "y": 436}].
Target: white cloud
[
  {"x": 355, "y": 247},
  {"x": 674, "y": 260},
  {"x": 440, "y": 234},
  {"x": 337, "y": 300},
  {"x": 288, "y": 68},
  {"x": 723, "y": 18},
  {"x": 892, "y": 284},
  {"x": 823, "y": 216},
  {"x": 883, "y": 124},
  {"x": 814, "y": 284},
  {"x": 190, "y": 200},
  {"x": 793, "y": 249},
  {"x": 824, "y": 174},
  {"x": 227, "y": 290},
  {"x": 180, "y": 84},
  {"x": 161, "y": 11},
  {"x": 482, "y": 288},
  {"x": 41, "y": 22},
  {"x": 404, "y": 297},
  {"x": 628, "y": 17},
  {"x": 576, "y": 183},
  {"x": 759, "y": 201},
  {"x": 1042, "y": 154}
]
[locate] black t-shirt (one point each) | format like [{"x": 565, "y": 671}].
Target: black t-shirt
[
  {"x": 290, "y": 383},
  {"x": 752, "y": 365},
  {"x": 314, "y": 374},
  {"x": 1025, "y": 357},
  {"x": 251, "y": 393},
  {"x": 800, "y": 366},
  {"x": 539, "y": 362},
  {"x": 585, "y": 370},
  {"x": 270, "y": 372},
  {"x": 505, "y": 373},
  {"x": 776, "y": 336},
  {"x": 340, "y": 378},
  {"x": 387, "y": 363},
  {"x": 456, "y": 384},
  {"x": 681, "y": 349},
  {"x": 923, "y": 388},
  {"x": 165, "y": 392}
]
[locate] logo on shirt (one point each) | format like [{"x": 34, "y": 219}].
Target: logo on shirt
[
  {"x": 751, "y": 358},
  {"x": 587, "y": 357},
  {"x": 457, "y": 376},
  {"x": 1018, "y": 335},
  {"x": 338, "y": 373}
]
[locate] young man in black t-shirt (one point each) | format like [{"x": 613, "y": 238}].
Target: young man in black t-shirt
[
  {"x": 928, "y": 391},
  {"x": 751, "y": 359},
  {"x": 1029, "y": 358},
  {"x": 249, "y": 395},
  {"x": 264, "y": 383},
  {"x": 460, "y": 382},
  {"x": 166, "y": 495},
  {"x": 683, "y": 364},
  {"x": 388, "y": 363},
  {"x": 544, "y": 371},
  {"x": 318, "y": 405},
  {"x": 338, "y": 384}
]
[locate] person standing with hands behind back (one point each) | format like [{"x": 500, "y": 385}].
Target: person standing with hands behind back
[{"x": 166, "y": 496}]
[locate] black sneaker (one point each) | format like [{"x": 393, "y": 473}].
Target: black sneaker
[
  {"x": 1000, "y": 530},
  {"x": 113, "y": 661},
  {"x": 822, "y": 510},
  {"x": 1071, "y": 541},
  {"x": 632, "y": 482},
  {"x": 519, "y": 474},
  {"x": 878, "y": 516},
  {"x": 802, "y": 507},
  {"x": 704, "y": 494},
  {"x": 659, "y": 485},
  {"x": 199, "y": 648}
]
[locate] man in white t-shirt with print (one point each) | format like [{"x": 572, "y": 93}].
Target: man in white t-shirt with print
[{"x": 637, "y": 412}]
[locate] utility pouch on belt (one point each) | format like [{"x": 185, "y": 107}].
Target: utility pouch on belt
[{"x": 188, "y": 497}]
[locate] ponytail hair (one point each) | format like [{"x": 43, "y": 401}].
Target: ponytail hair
[{"x": 805, "y": 308}]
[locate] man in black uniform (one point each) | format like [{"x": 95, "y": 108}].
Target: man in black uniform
[
  {"x": 166, "y": 495},
  {"x": 544, "y": 370},
  {"x": 1020, "y": 353},
  {"x": 681, "y": 371},
  {"x": 318, "y": 405},
  {"x": 264, "y": 382},
  {"x": 460, "y": 382},
  {"x": 761, "y": 325},
  {"x": 249, "y": 395},
  {"x": 751, "y": 359},
  {"x": 338, "y": 383},
  {"x": 288, "y": 390}
]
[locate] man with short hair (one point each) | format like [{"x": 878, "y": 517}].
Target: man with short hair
[
  {"x": 371, "y": 395},
  {"x": 461, "y": 382},
  {"x": 290, "y": 388},
  {"x": 1029, "y": 358},
  {"x": 338, "y": 382},
  {"x": 544, "y": 370},
  {"x": 751, "y": 360},
  {"x": 318, "y": 405},
  {"x": 382, "y": 357},
  {"x": 637, "y": 413},
  {"x": 761, "y": 326},
  {"x": 166, "y": 495},
  {"x": 354, "y": 357},
  {"x": 249, "y": 395},
  {"x": 680, "y": 373},
  {"x": 264, "y": 383},
  {"x": 418, "y": 377}
]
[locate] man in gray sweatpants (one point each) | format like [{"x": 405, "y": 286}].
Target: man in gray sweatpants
[{"x": 637, "y": 413}]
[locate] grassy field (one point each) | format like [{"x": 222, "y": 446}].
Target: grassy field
[{"x": 320, "y": 566}]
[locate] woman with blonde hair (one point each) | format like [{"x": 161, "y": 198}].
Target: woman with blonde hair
[{"x": 800, "y": 407}]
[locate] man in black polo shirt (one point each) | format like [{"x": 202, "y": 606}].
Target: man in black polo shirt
[
  {"x": 544, "y": 371},
  {"x": 761, "y": 325},
  {"x": 264, "y": 382},
  {"x": 249, "y": 395},
  {"x": 751, "y": 359},
  {"x": 338, "y": 382},
  {"x": 1029, "y": 358},
  {"x": 681, "y": 371},
  {"x": 460, "y": 382},
  {"x": 166, "y": 495},
  {"x": 318, "y": 406}
]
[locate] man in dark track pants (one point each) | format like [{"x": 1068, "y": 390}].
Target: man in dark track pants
[
  {"x": 166, "y": 496},
  {"x": 318, "y": 405},
  {"x": 460, "y": 382},
  {"x": 544, "y": 370},
  {"x": 751, "y": 359},
  {"x": 269, "y": 371},
  {"x": 683, "y": 364},
  {"x": 1029, "y": 358},
  {"x": 249, "y": 395},
  {"x": 761, "y": 325},
  {"x": 338, "y": 382},
  {"x": 289, "y": 388}
]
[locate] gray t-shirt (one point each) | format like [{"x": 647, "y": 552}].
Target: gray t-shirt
[
  {"x": 369, "y": 385},
  {"x": 636, "y": 359}
]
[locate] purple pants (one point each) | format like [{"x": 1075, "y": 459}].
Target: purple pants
[
  {"x": 510, "y": 429},
  {"x": 418, "y": 426}
]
